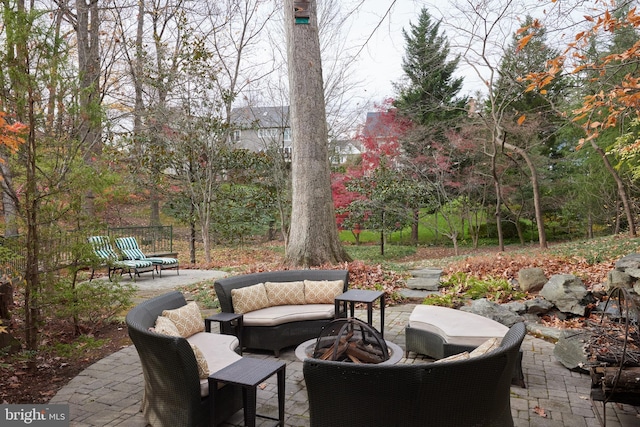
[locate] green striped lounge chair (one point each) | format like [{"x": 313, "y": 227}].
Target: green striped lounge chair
[
  {"x": 103, "y": 249},
  {"x": 130, "y": 249}
]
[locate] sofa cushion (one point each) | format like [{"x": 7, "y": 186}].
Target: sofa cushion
[
  {"x": 285, "y": 293},
  {"x": 249, "y": 298},
  {"x": 322, "y": 291},
  {"x": 203, "y": 367},
  {"x": 456, "y": 326},
  {"x": 218, "y": 350},
  {"x": 165, "y": 326},
  {"x": 278, "y": 315},
  {"x": 187, "y": 319}
]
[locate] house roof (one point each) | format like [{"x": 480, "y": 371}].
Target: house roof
[
  {"x": 260, "y": 117},
  {"x": 377, "y": 125},
  {"x": 348, "y": 144}
]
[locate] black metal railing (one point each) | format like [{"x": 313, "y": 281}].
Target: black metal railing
[
  {"x": 59, "y": 255},
  {"x": 152, "y": 240}
]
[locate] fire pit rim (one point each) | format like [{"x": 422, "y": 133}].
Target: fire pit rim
[{"x": 305, "y": 350}]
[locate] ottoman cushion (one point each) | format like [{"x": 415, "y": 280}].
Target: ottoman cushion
[{"x": 455, "y": 326}]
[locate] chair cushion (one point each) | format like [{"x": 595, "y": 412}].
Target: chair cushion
[
  {"x": 249, "y": 298},
  {"x": 278, "y": 315},
  {"x": 219, "y": 352},
  {"x": 456, "y": 326},
  {"x": 138, "y": 263},
  {"x": 163, "y": 261},
  {"x": 285, "y": 293},
  {"x": 102, "y": 248},
  {"x": 187, "y": 319},
  {"x": 129, "y": 247},
  {"x": 322, "y": 291}
]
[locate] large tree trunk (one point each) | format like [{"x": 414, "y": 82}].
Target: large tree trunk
[
  {"x": 88, "y": 31},
  {"x": 313, "y": 237}
]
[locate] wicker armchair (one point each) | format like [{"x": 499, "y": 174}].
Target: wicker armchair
[
  {"x": 172, "y": 385},
  {"x": 472, "y": 392}
]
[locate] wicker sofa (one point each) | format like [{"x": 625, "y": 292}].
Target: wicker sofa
[
  {"x": 276, "y": 327},
  {"x": 470, "y": 392},
  {"x": 174, "y": 393}
]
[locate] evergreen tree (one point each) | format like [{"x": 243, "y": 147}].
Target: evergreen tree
[{"x": 428, "y": 94}]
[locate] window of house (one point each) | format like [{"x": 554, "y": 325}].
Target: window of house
[
  {"x": 287, "y": 134},
  {"x": 235, "y": 135},
  {"x": 267, "y": 133}
]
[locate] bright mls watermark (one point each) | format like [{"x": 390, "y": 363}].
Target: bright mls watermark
[{"x": 34, "y": 415}]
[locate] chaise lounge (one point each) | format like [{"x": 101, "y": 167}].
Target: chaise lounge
[
  {"x": 103, "y": 250},
  {"x": 131, "y": 251}
]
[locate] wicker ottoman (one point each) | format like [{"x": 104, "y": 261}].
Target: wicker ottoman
[{"x": 440, "y": 332}]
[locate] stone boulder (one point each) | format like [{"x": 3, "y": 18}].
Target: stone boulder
[
  {"x": 494, "y": 311},
  {"x": 628, "y": 262},
  {"x": 567, "y": 293},
  {"x": 571, "y": 350},
  {"x": 538, "y": 306},
  {"x": 620, "y": 279},
  {"x": 531, "y": 279}
]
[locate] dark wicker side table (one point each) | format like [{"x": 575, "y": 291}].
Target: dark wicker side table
[
  {"x": 228, "y": 318},
  {"x": 249, "y": 373},
  {"x": 353, "y": 296}
]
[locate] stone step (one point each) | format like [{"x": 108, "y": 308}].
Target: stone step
[
  {"x": 423, "y": 283},
  {"x": 416, "y": 293},
  {"x": 427, "y": 273}
]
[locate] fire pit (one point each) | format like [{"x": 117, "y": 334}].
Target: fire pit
[{"x": 350, "y": 340}]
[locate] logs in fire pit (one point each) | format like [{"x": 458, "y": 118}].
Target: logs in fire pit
[{"x": 351, "y": 340}]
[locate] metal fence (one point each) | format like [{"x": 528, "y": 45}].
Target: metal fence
[
  {"x": 156, "y": 240},
  {"x": 152, "y": 240}
]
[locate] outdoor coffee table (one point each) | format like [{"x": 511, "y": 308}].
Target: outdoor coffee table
[
  {"x": 353, "y": 296},
  {"x": 249, "y": 373}
]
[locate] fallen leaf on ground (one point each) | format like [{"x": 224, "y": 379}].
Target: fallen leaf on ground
[{"x": 538, "y": 410}]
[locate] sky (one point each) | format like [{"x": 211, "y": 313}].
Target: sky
[{"x": 380, "y": 61}]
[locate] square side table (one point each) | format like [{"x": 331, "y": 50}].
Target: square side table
[
  {"x": 249, "y": 373},
  {"x": 353, "y": 296},
  {"x": 229, "y": 319}
]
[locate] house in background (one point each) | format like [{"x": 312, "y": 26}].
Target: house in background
[
  {"x": 259, "y": 128},
  {"x": 343, "y": 151}
]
